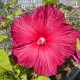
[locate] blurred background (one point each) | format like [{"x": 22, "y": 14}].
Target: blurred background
[{"x": 35, "y": 3}]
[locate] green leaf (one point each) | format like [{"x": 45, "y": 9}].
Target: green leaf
[
  {"x": 78, "y": 1},
  {"x": 2, "y": 14},
  {"x": 14, "y": 2},
  {"x": 3, "y": 76},
  {"x": 61, "y": 5},
  {"x": 3, "y": 24},
  {"x": 48, "y": 2},
  {"x": 10, "y": 17},
  {"x": 4, "y": 61},
  {"x": 24, "y": 77},
  {"x": 69, "y": 8},
  {"x": 18, "y": 12},
  {"x": 3, "y": 38},
  {"x": 1, "y": 71},
  {"x": 43, "y": 78},
  {"x": 7, "y": 5}
]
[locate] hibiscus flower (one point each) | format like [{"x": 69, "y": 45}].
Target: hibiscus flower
[
  {"x": 42, "y": 40},
  {"x": 76, "y": 56}
]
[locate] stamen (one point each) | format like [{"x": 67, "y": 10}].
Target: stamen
[{"x": 41, "y": 41}]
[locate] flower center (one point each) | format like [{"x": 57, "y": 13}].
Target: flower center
[{"x": 41, "y": 41}]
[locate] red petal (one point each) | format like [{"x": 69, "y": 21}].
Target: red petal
[
  {"x": 25, "y": 55},
  {"x": 43, "y": 15},
  {"x": 22, "y": 30},
  {"x": 44, "y": 64}
]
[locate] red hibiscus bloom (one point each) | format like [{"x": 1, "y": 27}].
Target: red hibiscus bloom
[
  {"x": 76, "y": 56},
  {"x": 42, "y": 40}
]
